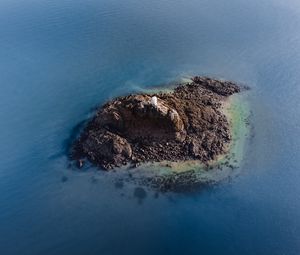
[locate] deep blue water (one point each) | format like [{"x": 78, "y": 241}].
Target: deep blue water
[{"x": 61, "y": 58}]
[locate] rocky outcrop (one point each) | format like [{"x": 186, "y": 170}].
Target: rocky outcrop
[{"x": 181, "y": 125}]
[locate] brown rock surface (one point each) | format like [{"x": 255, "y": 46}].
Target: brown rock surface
[{"x": 184, "y": 124}]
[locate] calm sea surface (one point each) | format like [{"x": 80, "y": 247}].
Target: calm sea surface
[{"x": 61, "y": 58}]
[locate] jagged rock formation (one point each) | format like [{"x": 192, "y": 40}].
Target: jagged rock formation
[{"x": 181, "y": 125}]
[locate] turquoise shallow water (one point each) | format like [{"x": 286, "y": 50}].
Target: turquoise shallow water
[{"x": 59, "y": 59}]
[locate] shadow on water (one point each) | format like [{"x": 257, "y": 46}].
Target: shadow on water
[
  {"x": 67, "y": 143},
  {"x": 74, "y": 133}
]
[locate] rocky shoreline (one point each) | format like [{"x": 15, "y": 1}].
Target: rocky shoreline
[{"x": 185, "y": 124}]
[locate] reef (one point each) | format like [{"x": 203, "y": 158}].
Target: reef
[{"x": 186, "y": 123}]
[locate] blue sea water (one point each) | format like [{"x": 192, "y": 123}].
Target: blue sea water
[{"x": 61, "y": 58}]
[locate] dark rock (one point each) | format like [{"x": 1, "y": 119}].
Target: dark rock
[
  {"x": 140, "y": 194},
  {"x": 119, "y": 184},
  {"x": 64, "y": 179},
  {"x": 181, "y": 125}
]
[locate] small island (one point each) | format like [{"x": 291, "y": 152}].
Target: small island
[{"x": 187, "y": 123}]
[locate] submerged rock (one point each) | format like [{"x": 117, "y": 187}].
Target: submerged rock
[{"x": 184, "y": 124}]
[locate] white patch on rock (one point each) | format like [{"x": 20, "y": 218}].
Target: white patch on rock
[{"x": 154, "y": 101}]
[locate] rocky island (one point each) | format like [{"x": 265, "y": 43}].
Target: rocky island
[{"x": 185, "y": 124}]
